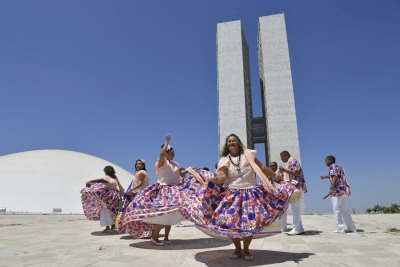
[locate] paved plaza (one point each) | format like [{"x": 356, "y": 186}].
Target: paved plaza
[{"x": 71, "y": 240}]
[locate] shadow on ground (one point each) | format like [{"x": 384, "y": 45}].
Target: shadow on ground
[
  {"x": 129, "y": 237},
  {"x": 216, "y": 258},
  {"x": 313, "y": 232},
  {"x": 183, "y": 244},
  {"x": 101, "y": 233}
]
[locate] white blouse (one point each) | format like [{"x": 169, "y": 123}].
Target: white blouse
[
  {"x": 168, "y": 173},
  {"x": 244, "y": 177}
]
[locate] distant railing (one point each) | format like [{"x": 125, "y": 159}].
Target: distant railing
[{"x": 57, "y": 210}]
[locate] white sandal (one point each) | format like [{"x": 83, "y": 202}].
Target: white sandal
[
  {"x": 236, "y": 256},
  {"x": 157, "y": 243}
]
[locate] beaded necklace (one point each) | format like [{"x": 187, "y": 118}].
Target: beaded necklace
[{"x": 237, "y": 165}]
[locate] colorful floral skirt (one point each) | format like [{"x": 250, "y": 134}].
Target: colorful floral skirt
[
  {"x": 121, "y": 214},
  {"x": 193, "y": 185},
  {"x": 156, "y": 204},
  {"x": 96, "y": 196},
  {"x": 237, "y": 213}
]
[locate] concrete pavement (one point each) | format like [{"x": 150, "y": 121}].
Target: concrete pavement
[{"x": 71, "y": 240}]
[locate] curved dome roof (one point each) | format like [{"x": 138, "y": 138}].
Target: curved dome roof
[{"x": 40, "y": 180}]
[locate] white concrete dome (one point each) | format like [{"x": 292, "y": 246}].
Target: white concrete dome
[{"x": 41, "y": 180}]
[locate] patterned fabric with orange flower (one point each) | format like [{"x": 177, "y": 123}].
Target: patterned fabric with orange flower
[
  {"x": 154, "y": 201},
  {"x": 96, "y": 196},
  {"x": 240, "y": 210},
  {"x": 129, "y": 196}
]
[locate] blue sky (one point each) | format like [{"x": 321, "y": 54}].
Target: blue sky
[{"x": 110, "y": 78}]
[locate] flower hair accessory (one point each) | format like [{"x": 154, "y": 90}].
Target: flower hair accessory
[{"x": 143, "y": 161}]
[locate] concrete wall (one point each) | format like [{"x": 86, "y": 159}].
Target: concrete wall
[
  {"x": 38, "y": 181},
  {"x": 234, "y": 94}
]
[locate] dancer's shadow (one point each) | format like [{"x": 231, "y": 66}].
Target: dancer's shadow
[
  {"x": 184, "y": 244},
  {"x": 101, "y": 233},
  {"x": 316, "y": 232},
  {"x": 126, "y": 237},
  {"x": 129, "y": 237},
  {"x": 216, "y": 258},
  {"x": 313, "y": 232}
]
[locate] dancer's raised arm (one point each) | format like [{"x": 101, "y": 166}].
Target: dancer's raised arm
[{"x": 163, "y": 152}]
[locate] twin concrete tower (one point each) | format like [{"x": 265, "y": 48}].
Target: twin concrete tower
[{"x": 277, "y": 128}]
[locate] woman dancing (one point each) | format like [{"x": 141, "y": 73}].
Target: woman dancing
[
  {"x": 139, "y": 182},
  {"x": 241, "y": 209},
  {"x": 157, "y": 206},
  {"x": 100, "y": 199}
]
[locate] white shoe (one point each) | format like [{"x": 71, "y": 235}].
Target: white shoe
[
  {"x": 156, "y": 243},
  {"x": 248, "y": 258},
  {"x": 284, "y": 230},
  {"x": 339, "y": 231},
  {"x": 295, "y": 232},
  {"x": 179, "y": 224},
  {"x": 235, "y": 256}
]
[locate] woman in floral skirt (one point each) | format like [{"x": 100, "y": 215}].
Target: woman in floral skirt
[
  {"x": 157, "y": 206},
  {"x": 232, "y": 204},
  {"x": 101, "y": 197},
  {"x": 139, "y": 182}
]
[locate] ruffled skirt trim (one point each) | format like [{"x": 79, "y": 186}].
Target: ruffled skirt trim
[
  {"x": 237, "y": 213},
  {"x": 156, "y": 204}
]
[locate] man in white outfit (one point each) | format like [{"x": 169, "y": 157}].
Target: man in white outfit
[
  {"x": 293, "y": 172},
  {"x": 340, "y": 192}
]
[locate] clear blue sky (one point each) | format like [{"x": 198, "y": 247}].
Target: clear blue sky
[{"x": 110, "y": 78}]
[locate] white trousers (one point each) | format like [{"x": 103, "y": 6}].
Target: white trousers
[
  {"x": 296, "y": 211},
  {"x": 283, "y": 221},
  {"x": 105, "y": 217},
  {"x": 342, "y": 213}
]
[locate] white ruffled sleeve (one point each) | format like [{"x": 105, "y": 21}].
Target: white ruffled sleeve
[{"x": 223, "y": 162}]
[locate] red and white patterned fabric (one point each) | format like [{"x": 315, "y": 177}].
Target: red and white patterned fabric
[{"x": 97, "y": 195}]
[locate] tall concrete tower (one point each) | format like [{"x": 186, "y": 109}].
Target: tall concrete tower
[
  {"x": 277, "y": 128},
  {"x": 277, "y": 87},
  {"x": 234, "y": 92}
]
